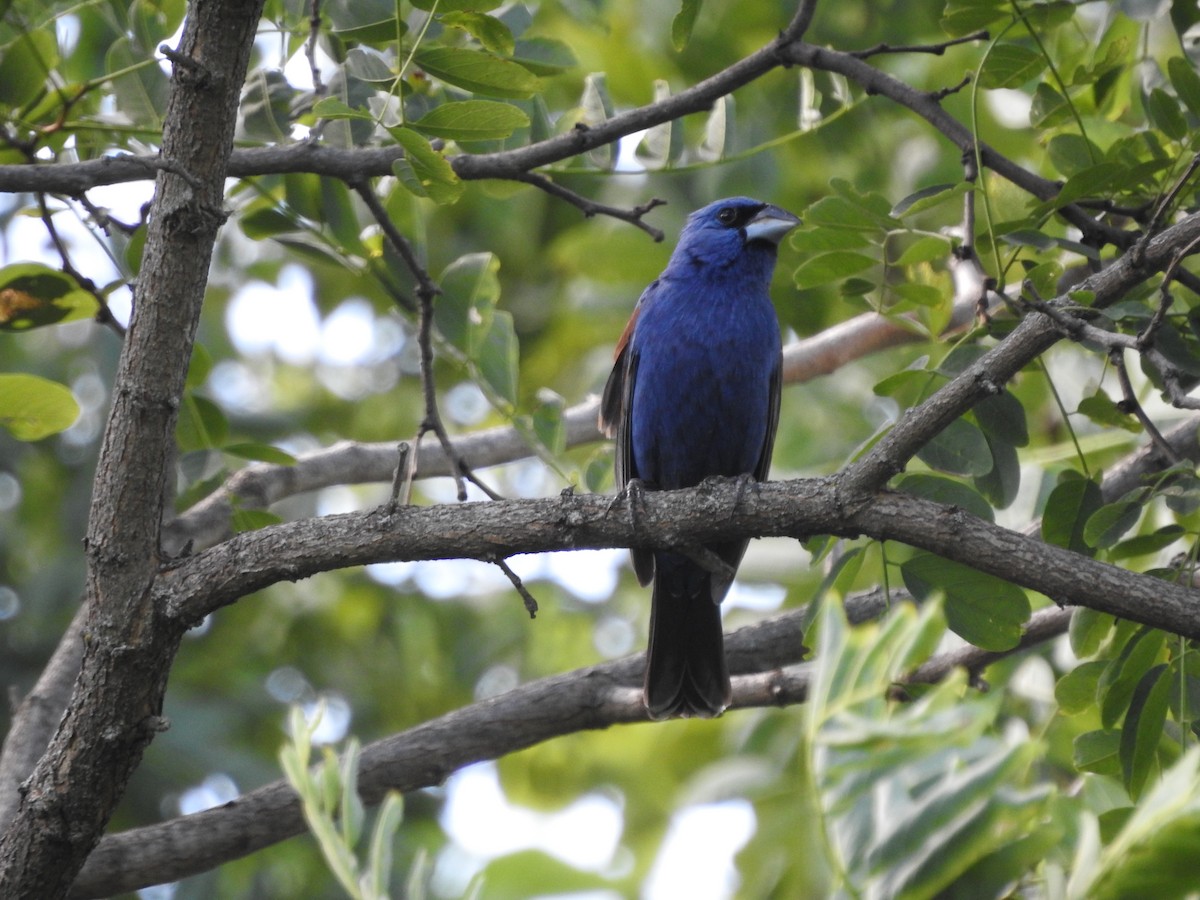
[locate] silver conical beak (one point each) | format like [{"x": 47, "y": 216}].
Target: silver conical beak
[{"x": 771, "y": 224}]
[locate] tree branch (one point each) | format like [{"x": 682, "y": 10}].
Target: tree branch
[{"x": 1032, "y": 337}]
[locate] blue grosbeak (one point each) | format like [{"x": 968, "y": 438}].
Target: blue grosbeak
[{"x": 694, "y": 393}]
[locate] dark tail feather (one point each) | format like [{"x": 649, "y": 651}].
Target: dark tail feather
[{"x": 685, "y": 663}]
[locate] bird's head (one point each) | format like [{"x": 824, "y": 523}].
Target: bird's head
[{"x": 734, "y": 230}]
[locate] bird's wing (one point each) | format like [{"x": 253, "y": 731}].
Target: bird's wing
[
  {"x": 613, "y": 405},
  {"x": 616, "y": 409},
  {"x": 764, "y": 457}
]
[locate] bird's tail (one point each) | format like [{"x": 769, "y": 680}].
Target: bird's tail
[{"x": 685, "y": 663}]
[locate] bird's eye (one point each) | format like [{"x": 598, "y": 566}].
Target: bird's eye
[{"x": 727, "y": 216}]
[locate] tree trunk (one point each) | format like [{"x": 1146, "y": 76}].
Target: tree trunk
[{"x": 129, "y": 643}]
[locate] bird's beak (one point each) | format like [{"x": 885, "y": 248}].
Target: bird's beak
[{"x": 771, "y": 224}]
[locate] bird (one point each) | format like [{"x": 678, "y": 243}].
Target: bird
[{"x": 694, "y": 394}]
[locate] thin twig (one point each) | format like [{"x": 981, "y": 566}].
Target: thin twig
[
  {"x": 103, "y": 314},
  {"x": 1146, "y": 337},
  {"x": 403, "y": 478},
  {"x": 936, "y": 49},
  {"x": 591, "y": 208},
  {"x": 310, "y": 49},
  {"x": 105, "y": 220},
  {"x": 531, "y": 605},
  {"x": 1168, "y": 199},
  {"x": 427, "y": 289},
  {"x": 942, "y": 93},
  {"x": 1130, "y": 404}
]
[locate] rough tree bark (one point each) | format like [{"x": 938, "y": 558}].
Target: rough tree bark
[{"x": 128, "y": 644}]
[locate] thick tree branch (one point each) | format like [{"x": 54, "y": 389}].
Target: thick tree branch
[{"x": 201, "y": 584}]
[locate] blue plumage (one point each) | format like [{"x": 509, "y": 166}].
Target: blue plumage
[{"x": 694, "y": 393}]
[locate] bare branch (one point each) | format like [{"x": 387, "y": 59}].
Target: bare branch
[
  {"x": 591, "y": 208},
  {"x": 1130, "y": 404},
  {"x": 937, "y": 49},
  {"x": 531, "y": 605},
  {"x": 103, "y": 314}
]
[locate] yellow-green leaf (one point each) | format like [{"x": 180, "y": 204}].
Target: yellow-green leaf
[{"x": 32, "y": 407}]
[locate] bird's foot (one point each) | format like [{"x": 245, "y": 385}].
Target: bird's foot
[
  {"x": 745, "y": 484},
  {"x": 632, "y": 495}
]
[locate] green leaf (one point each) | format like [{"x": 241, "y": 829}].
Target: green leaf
[
  {"x": 266, "y": 106},
  {"x": 472, "y": 120},
  {"x": 838, "y": 212},
  {"x": 33, "y": 295},
  {"x": 498, "y": 356},
  {"x": 930, "y": 198},
  {"x": 818, "y": 240},
  {"x": 547, "y": 420},
  {"x": 463, "y": 310},
  {"x": 1186, "y": 83},
  {"x": 1088, "y": 631},
  {"x": 962, "y": 17},
  {"x": 544, "y": 56},
  {"x": 1164, "y": 112},
  {"x": 1120, "y": 678},
  {"x": 960, "y": 449},
  {"x": 32, "y": 407},
  {"x": 266, "y": 221},
  {"x": 1105, "y": 526},
  {"x": 333, "y": 108},
  {"x": 1101, "y": 409},
  {"x": 1049, "y": 107},
  {"x": 202, "y": 425},
  {"x": 511, "y": 876},
  {"x": 1152, "y": 856},
  {"x": 1145, "y": 544},
  {"x": 1143, "y": 730},
  {"x": 25, "y": 65},
  {"x": 257, "y": 452},
  {"x": 980, "y": 608},
  {"x": 1070, "y": 153},
  {"x": 1068, "y": 508},
  {"x": 368, "y": 66},
  {"x": 367, "y": 21},
  {"x": 1095, "y": 181},
  {"x": 595, "y": 107},
  {"x": 1002, "y": 416},
  {"x": 662, "y": 144},
  {"x": 832, "y": 266},
  {"x": 424, "y": 171},
  {"x": 1010, "y": 66},
  {"x": 338, "y": 213},
  {"x": 1098, "y": 751},
  {"x": 925, "y": 249},
  {"x": 493, "y": 34},
  {"x": 379, "y": 859},
  {"x": 253, "y": 519},
  {"x": 684, "y": 22},
  {"x": 479, "y": 72},
  {"x": 1076, "y": 691},
  {"x": 1002, "y": 483},
  {"x": 946, "y": 491},
  {"x": 443, "y": 6}
]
